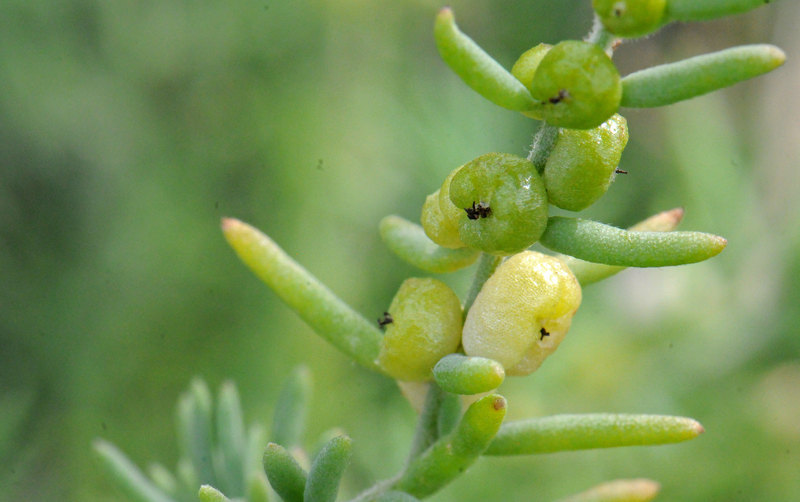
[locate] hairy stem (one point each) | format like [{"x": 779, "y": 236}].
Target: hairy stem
[{"x": 486, "y": 266}]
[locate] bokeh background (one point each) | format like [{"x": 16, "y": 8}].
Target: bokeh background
[{"x": 128, "y": 128}]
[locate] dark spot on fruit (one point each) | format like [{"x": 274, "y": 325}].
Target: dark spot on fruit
[
  {"x": 561, "y": 96},
  {"x": 385, "y": 319},
  {"x": 479, "y": 210}
]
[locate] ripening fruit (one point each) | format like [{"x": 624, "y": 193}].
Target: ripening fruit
[
  {"x": 503, "y": 203},
  {"x": 582, "y": 164},
  {"x": 524, "y": 70},
  {"x": 578, "y": 85},
  {"x": 523, "y": 312},
  {"x": 423, "y": 324},
  {"x": 440, "y": 217},
  {"x": 630, "y": 18}
]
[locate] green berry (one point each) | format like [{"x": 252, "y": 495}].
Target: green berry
[
  {"x": 423, "y": 324},
  {"x": 440, "y": 217},
  {"x": 524, "y": 70},
  {"x": 523, "y": 312},
  {"x": 577, "y": 84},
  {"x": 503, "y": 203},
  {"x": 582, "y": 163},
  {"x": 630, "y": 18}
]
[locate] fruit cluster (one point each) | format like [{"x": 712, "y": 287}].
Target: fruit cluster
[{"x": 497, "y": 204}]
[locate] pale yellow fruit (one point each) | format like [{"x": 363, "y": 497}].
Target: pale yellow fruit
[
  {"x": 523, "y": 312},
  {"x": 440, "y": 217},
  {"x": 426, "y": 326}
]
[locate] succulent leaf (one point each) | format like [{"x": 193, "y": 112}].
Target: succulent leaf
[{"x": 476, "y": 68}]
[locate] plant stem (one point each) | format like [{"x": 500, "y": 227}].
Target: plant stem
[
  {"x": 543, "y": 143},
  {"x": 427, "y": 432},
  {"x": 601, "y": 37},
  {"x": 486, "y": 266}
]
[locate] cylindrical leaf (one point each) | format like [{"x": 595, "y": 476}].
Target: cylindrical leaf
[
  {"x": 452, "y": 454},
  {"x": 698, "y": 10},
  {"x": 128, "y": 477},
  {"x": 460, "y": 374},
  {"x": 587, "y": 272},
  {"x": 195, "y": 430},
  {"x": 395, "y": 496},
  {"x": 163, "y": 479},
  {"x": 208, "y": 493},
  {"x": 584, "y": 432},
  {"x": 449, "y": 414},
  {"x": 258, "y": 488},
  {"x": 475, "y": 67},
  {"x": 621, "y": 490},
  {"x": 254, "y": 451},
  {"x": 600, "y": 243},
  {"x": 409, "y": 242},
  {"x": 285, "y": 475},
  {"x": 291, "y": 409},
  {"x": 231, "y": 439},
  {"x": 669, "y": 83},
  {"x": 327, "y": 469},
  {"x": 320, "y": 308}
]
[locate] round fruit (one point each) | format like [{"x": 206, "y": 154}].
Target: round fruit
[
  {"x": 523, "y": 312},
  {"x": 423, "y": 324},
  {"x": 578, "y": 85},
  {"x": 630, "y": 18},
  {"x": 524, "y": 70},
  {"x": 503, "y": 203},
  {"x": 440, "y": 217},
  {"x": 583, "y": 163}
]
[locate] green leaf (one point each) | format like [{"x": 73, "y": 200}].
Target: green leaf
[
  {"x": 460, "y": 374},
  {"x": 600, "y": 243},
  {"x": 285, "y": 475},
  {"x": 449, "y": 414},
  {"x": 258, "y": 488},
  {"x": 475, "y": 67},
  {"x": 291, "y": 409},
  {"x": 163, "y": 479},
  {"x": 128, "y": 477},
  {"x": 409, "y": 242},
  {"x": 327, "y": 469},
  {"x": 195, "y": 430},
  {"x": 231, "y": 439},
  {"x": 584, "y": 432},
  {"x": 208, "y": 493},
  {"x": 699, "y": 10},
  {"x": 395, "y": 496},
  {"x": 452, "y": 454},
  {"x": 588, "y": 272},
  {"x": 320, "y": 308},
  {"x": 621, "y": 490},
  {"x": 669, "y": 83}
]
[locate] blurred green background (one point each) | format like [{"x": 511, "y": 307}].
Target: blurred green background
[{"x": 128, "y": 128}]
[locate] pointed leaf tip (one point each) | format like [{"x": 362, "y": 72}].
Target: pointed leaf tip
[
  {"x": 477, "y": 68},
  {"x": 314, "y": 302}
]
